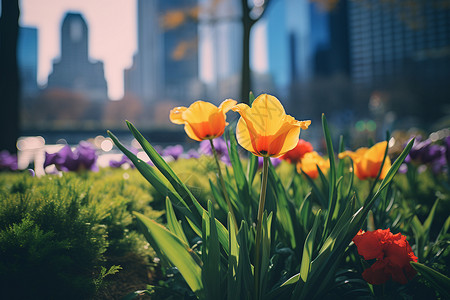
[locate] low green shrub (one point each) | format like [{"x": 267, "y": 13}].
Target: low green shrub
[{"x": 57, "y": 233}]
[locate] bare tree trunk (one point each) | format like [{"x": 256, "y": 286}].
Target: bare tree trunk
[
  {"x": 9, "y": 75},
  {"x": 246, "y": 80},
  {"x": 247, "y": 24}
]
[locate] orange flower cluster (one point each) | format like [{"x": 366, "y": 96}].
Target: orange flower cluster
[
  {"x": 296, "y": 154},
  {"x": 310, "y": 162},
  {"x": 392, "y": 253},
  {"x": 367, "y": 162},
  {"x": 263, "y": 129}
]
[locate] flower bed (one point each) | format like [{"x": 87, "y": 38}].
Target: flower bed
[{"x": 273, "y": 219}]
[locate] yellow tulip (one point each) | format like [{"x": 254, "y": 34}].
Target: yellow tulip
[
  {"x": 367, "y": 161},
  {"x": 310, "y": 162},
  {"x": 265, "y": 129},
  {"x": 202, "y": 120}
]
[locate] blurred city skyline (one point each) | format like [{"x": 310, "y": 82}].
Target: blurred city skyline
[
  {"x": 112, "y": 42},
  {"x": 364, "y": 63}
]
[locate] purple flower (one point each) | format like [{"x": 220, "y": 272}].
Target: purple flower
[
  {"x": 439, "y": 165},
  {"x": 8, "y": 161},
  {"x": 174, "y": 151},
  {"x": 31, "y": 172},
  {"x": 425, "y": 152},
  {"x": 83, "y": 157},
  {"x": 275, "y": 161},
  {"x": 403, "y": 168},
  {"x": 447, "y": 148},
  {"x": 221, "y": 149},
  {"x": 123, "y": 160},
  {"x": 192, "y": 153}
]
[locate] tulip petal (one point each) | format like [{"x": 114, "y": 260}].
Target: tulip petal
[
  {"x": 267, "y": 115},
  {"x": 176, "y": 115},
  {"x": 199, "y": 112},
  {"x": 290, "y": 131},
  {"x": 244, "y": 137},
  {"x": 226, "y": 105},
  {"x": 191, "y": 133}
]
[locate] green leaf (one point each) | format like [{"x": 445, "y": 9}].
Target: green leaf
[
  {"x": 165, "y": 169},
  {"x": 391, "y": 173},
  {"x": 211, "y": 256},
  {"x": 245, "y": 268},
  {"x": 429, "y": 220},
  {"x": 444, "y": 229},
  {"x": 341, "y": 164},
  {"x": 332, "y": 175},
  {"x": 251, "y": 98},
  {"x": 265, "y": 247},
  {"x": 317, "y": 191},
  {"x": 173, "y": 224},
  {"x": 155, "y": 179},
  {"x": 252, "y": 168},
  {"x": 291, "y": 280},
  {"x": 308, "y": 248},
  {"x": 285, "y": 211},
  {"x": 239, "y": 175},
  {"x": 179, "y": 254},
  {"x": 439, "y": 281},
  {"x": 234, "y": 277}
]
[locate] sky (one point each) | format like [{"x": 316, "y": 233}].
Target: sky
[{"x": 112, "y": 36}]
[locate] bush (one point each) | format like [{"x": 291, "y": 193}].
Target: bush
[{"x": 57, "y": 232}]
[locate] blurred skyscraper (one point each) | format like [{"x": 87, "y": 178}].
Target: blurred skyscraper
[
  {"x": 306, "y": 41},
  {"x": 309, "y": 55},
  {"x": 145, "y": 77},
  {"x": 165, "y": 66},
  {"x": 27, "y": 58},
  {"x": 404, "y": 51},
  {"x": 220, "y": 51},
  {"x": 74, "y": 71}
]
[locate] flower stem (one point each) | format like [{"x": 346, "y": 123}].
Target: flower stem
[
  {"x": 222, "y": 183},
  {"x": 262, "y": 200}
]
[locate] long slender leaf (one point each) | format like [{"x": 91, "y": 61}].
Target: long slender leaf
[
  {"x": 211, "y": 273},
  {"x": 439, "y": 281},
  {"x": 173, "y": 224},
  {"x": 234, "y": 282},
  {"x": 332, "y": 176},
  {"x": 176, "y": 251},
  {"x": 393, "y": 170},
  {"x": 239, "y": 175},
  {"x": 308, "y": 248},
  {"x": 156, "y": 181},
  {"x": 165, "y": 169}
]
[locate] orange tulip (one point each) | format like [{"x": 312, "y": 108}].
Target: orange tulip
[
  {"x": 202, "y": 120},
  {"x": 296, "y": 154},
  {"x": 367, "y": 162},
  {"x": 265, "y": 129},
  {"x": 310, "y": 162}
]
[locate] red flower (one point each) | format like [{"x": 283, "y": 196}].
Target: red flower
[
  {"x": 296, "y": 154},
  {"x": 392, "y": 253}
]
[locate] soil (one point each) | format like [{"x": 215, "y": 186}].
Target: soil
[{"x": 136, "y": 274}]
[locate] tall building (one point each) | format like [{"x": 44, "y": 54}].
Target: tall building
[
  {"x": 306, "y": 41},
  {"x": 27, "y": 59},
  {"x": 388, "y": 39},
  {"x": 145, "y": 77},
  {"x": 74, "y": 70},
  {"x": 220, "y": 53},
  {"x": 166, "y": 63},
  {"x": 308, "y": 53},
  {"x": 404, "y": 51}
]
